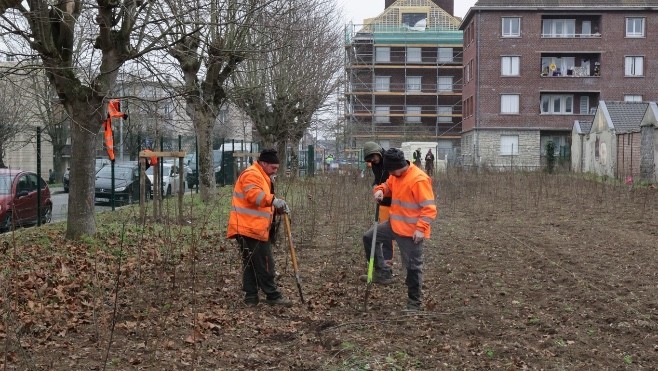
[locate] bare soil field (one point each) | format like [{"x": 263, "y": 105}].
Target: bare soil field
[{"x": 523, "y": 271}]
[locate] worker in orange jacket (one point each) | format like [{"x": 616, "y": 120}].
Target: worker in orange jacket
[
  {"x": 251, "y": 223},
  {"x": 413, "y": 208}
]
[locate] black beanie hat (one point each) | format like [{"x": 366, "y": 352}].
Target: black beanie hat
[
  {"x": 269, "y": 155},
  {"x": 394, "y": 159}
]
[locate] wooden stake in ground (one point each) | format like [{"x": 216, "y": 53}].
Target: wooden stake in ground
[{"x": 293, "y": 257}]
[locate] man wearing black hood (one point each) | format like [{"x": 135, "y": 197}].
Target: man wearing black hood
[{"x": 373, "y": 154}]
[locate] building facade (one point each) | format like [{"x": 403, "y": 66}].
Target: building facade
[
  {"x": 533, "y": 68},
  {"x": 403, "y": 75}
]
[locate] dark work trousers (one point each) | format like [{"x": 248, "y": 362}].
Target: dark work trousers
[
  {"x": 258, "y": 269},
  {"x": 411, "y": 255}
]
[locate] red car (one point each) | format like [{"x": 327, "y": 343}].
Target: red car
[{"x": 18, "y": 199}]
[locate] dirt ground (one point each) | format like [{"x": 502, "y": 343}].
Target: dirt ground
[{"x": 523, "y": 271}]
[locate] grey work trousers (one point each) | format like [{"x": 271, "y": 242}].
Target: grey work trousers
[
  {"x": 411, "y": 255},
  {"x": 258, "y": 269}
]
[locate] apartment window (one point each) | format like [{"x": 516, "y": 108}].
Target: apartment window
[
  {"x": 444, "y": 113},
  {"x": 509, "y": 145},
  {"x": 509, "y": 66},
  {"x": 511, "y": 27},
  {"x": 557, "y": 66},
  {"x": 633, "y": 66},
  {"x": 632, "y": 98},
  {"x": 634, "y": 27},
  {"x": 444, "y": 84},
  {"x": 382, "y": 83},
  {"x": 558, "y": 28},
  {"x": 9, "y": 58},
  {"x": 584, "y": 105},
  {"x": 586, "y": 28},
  {"x": 382, "y": 54},
  {"x": 382, "y": 113},
  {"x": 445, "y": 55},
  {"x": 557, "y": 104},
  {"x": 509, "y": 103},
  {"x": 414, "y": 55},
  {"x": 467, "y": 71},
  {"x": 413, "y": 113},
  {"x": 414, "y": 83}
]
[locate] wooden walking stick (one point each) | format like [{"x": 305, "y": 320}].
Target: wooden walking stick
[
  {"x": 293, "y": 257},
  {"x": 371, "y": 262}
]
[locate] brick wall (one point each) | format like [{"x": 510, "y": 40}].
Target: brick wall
[
  {"x": 628, "y": 155},
  {"x": 481, "y": 148}
]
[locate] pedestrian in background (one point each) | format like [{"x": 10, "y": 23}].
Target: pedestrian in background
[
  {"x": 412, "y": 211},
  {"x": 429, "y": 162},
  {"x": 251, "y": 224},
  {"x": 373, "y": 154},
  {"x": 417, "y": 158}
]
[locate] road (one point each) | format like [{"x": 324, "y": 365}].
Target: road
[{"x": 61, "y": 204}]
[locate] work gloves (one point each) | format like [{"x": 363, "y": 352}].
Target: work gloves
[
  {"x": 281, "y": 205},
  {"x": 379, "y": 195},
  {"x": 418, "y": 237}
]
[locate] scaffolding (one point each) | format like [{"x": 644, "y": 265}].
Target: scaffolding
[{"x": 403, "y": 80}]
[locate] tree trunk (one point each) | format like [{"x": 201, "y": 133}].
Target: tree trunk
[
  {"x": 204, "y": 125},
  {"x": 81, "y": 220}
]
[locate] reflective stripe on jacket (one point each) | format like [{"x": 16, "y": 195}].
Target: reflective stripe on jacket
[
  {"x": 413, "y": 206},
  {"x": 251, "y": 206}
]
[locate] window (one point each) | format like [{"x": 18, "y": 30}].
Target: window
[
  {"x": 584, "y": 105},
  {"x": 444, "y": 84},
  {"x": 382, "y": 83},
  {"x": 414, "y": 83},
  {"x": 382, "y": 54},
  {"x": 509, "y": 66},
  {"x": 413, "y": 113},
  {"x": 444, "y": 113},
  {"x": 511, "y": 27},
  {"x": 415, "y": 21},
  {"x": 414, "y": 55},
  {"x": 9, "y": 58},
  {"x": 445, "y": 55},
  {"x": 557, "y": 104},
  {"x": 632, "y": 98},
  {"x": 382, "y": 113},
  {"x": 509, "y": 103},
  {"x": 557, "y": 66},
  {"x": 633, "y": 66},
  {"x": 558, "y": 28},
  {"x": 586, "y": 28},
  {"x": 509, "y": 145},
  {"x": 634, "y": 27}
]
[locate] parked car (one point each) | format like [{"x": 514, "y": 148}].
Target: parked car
[
  {"x": 18, "y": 199},
  {"x": 100, "y": 163},
  {"x": 170, "y": 178},
  {"x": 126, "y": 184},
  {"x": 217, "y": 154}
]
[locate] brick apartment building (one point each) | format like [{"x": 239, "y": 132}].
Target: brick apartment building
[
  {"x": 403, "y": 75},
  {"x": 534, "y": 67}
]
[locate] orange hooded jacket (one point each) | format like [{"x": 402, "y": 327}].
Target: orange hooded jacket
[
  {"x": 412, "y": 205},
  {"x": 251, "y": 206}
]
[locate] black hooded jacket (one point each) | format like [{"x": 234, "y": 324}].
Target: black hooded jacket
[{"x": 380, "y": 177}]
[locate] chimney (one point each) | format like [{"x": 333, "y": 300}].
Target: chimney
[{"x": 447, "y": 5}]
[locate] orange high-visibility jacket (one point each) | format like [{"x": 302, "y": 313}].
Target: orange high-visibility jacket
[
  {"x": 251, "y": 206},
  {"x": 109, "y": 138},
  {"x": 412, "y": 205},
  {"x": 114, "y": 109}
]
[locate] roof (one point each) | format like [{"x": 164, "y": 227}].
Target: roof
[
  {"x": 569, "y": 3},
  {"x": 626, "y": 116},
  {"x": 585, "y": 126}
]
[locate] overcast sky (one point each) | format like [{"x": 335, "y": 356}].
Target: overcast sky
[{"x": 356, "y": 10}]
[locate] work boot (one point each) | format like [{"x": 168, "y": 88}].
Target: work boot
[
  {"x": 280, "y": 301},
  {"x": 377, "y": 279},
  {"x": 412, "y": 306},
  {"x": 251, "y": 303}
]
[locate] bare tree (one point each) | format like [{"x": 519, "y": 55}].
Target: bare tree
[
  {"x": 285, "y": 86},
  {"x": 215, "y": 39},
  {"x": 12, "y": 117},
  {"x": 81, "y": 45}
]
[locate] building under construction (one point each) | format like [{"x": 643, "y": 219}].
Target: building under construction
[{"x": 403, "y": 75}]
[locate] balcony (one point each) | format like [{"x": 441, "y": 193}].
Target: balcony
[
  {"x": 570, "y": 27},
  {"x": 570, "y": 65}
]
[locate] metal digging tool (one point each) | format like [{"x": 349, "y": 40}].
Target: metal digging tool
[
  {"x": 371, "y": 262},
  {"x": 293, "y": 257}
]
